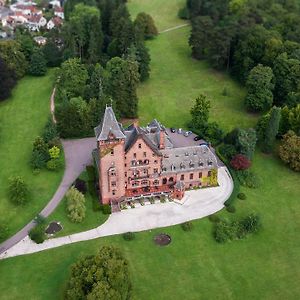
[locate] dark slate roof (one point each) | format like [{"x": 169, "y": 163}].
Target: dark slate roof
[
  {"x": 109, "y": 125},
  {"x": 133, "y": 133}
]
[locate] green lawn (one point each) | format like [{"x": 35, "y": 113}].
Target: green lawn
[
  {"x": 92, "y": 218},
  {"x": 164, "y": 12},
  {"x": 176, "y": 79},
  {"x": 193, "y": 266},
  {"x": 22, "y": 118}
]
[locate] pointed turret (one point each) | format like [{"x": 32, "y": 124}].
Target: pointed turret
[{"x": 109, "y": 126}]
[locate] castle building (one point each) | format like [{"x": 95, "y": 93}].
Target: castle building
[{"x": 148, "y": 161}]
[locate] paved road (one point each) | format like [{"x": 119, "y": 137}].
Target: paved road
[
  {"x": 77, "y": 157},
  {"x": 196, "y": 204}
]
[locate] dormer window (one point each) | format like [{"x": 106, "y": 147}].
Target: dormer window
[
  {"x": 112, "y": 151},
  {"x": 182, "y": 166},
  {"x": 191, "y": 164},
  {"x": 173, "y": 168},
  {"x": 140, "y": 146}
]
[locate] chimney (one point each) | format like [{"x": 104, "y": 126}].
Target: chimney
[{"x": 161, "y": 139}]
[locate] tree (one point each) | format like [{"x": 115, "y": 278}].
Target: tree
[
  {"x": 122, "y": 84},
  {"x": 38, "y": 65},
  {"x": 246, "y": 142},
  {"x": 289, "y": 150},
  {"x": 8, "y": 80},
  {"x": 52, "y": 54},
  {"x": 37, "y": 233},
  {"x": 50, "y": 131},
  {"x": 18, "y": 191},
  {"x": 294, "y": 119},
  {"x": 200, "y": 113},
  {"x": 144, "y": 26},
  {"x": 102, "y": 276},
  {"x": 271, "y": 130},
  {"x": 73, "y": 118},
  {"x": 140, "y": 54},
  {"x": 40, "y": 146},
  {"x": 24, "y": 38},
  {"x": 3, "y": 231},
  {"x": 72, "y": 78},
  {"x": 202, "y": 28},
  {"x": 259, "y": 85},
  {"x": 14, "y": 58},
  {"x": 75, "y": 205},
  {"x": 287, "y": 79},
  {"x": 240, "y": 162}
]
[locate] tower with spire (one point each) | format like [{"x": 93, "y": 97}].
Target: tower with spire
[{"x": 110, "y": 147}]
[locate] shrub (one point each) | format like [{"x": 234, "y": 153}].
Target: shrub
[
  {"x": 18, "y": 190},
  {"x": 129, "y": 236},
  {"x": 37, "y": 233},
  {"x": 50, "y": 131},
  {"x": 240, "y": 162},
  {"x": 163, "y": 199},
  {"x": 40, "y": 146},
  {"x": 91, "y": 172},
  {"x": 106, "y": 209},
  {"x": 228, "y": 151},
  {"x": 214, "y": 218},
  {"x": 54, "y": 152},
  {"x": 80, "y": 185},
  {"x": 187, "y": 226},
  {"x": 248, "y": 179},
  {"x": 224, "y": 231},
  {"x": 75, "y": 205},
  {"x": 54, "y": 164},
  {"x": 251, "y": 223},
  {"x": 242, "y": 196},
  {"x": 55, "y": 142},
  {"x": 37, "y": 160},
  {"x": 152, "y": 200},
  {"x": 231, "y": 208}
]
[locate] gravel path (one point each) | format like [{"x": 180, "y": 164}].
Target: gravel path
[
  {"x": 78, "y": 154},
  {"x": 196, "y": 204},
  {"x": 175, "y": 27}
]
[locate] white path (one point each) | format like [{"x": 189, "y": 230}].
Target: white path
[
  {"x": 198, "y": 204},
  {"x": 175, "y": 27}
]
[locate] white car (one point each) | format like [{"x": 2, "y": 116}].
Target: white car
[{"x": 187, "y": 133}]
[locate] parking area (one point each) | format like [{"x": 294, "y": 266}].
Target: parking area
[{"x": 180, "y": 140}]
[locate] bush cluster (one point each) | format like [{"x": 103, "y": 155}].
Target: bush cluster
[
  {"x": 106, "y": 209},
  {"x": 37, "y": 233},
  {"x": 129, "y": 236},
  {"x": 18, "y": 192},
  {"x": 225, "y": 230},
  {"x": 247, "y": 178},
  {"x": 75, "y": 205},
  {"x": 242, "y": 196},
  {"x": 187, "y": 226}
]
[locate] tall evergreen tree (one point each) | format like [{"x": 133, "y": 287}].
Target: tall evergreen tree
[
  {"x": 7, "y": 79},
  {"x": 271, "y": 130},
  {"x": 122, "y": 84}
]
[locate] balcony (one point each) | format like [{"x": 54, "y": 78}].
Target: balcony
[{"x": 135, "y": 192}]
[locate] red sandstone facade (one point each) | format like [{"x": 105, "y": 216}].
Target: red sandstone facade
[{"x": 142, "y": 162}]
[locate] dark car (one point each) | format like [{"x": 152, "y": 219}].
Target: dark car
[
  {"x": 197, "y": 138},
  {"x": 173, "y": 130}
]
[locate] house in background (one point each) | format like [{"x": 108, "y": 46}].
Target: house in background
[
  {"x": 145, "y": 161},
  {"x": 59, "y": 12},
  {"x": 40, "y": 40},
  {"x": 54, "y": 22}
]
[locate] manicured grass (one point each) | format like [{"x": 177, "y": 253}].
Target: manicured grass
[
  {"x": 22, "y": 118},
  {"x": 177, "y": 79},
  {"x": 164, "y": 12},
  {"x": 193, "y": 266},
  {"x": 92, "y": 219}
]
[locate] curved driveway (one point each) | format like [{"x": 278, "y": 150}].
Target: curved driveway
[
  {"x": 197, "y": 204},
  {"x": 78, "y": 154}
]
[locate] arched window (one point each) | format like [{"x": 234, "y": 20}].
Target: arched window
[
  {"x": 112, "y": 172},
  {"x": 144, "y": 182},
  {"x": 171, "y": 179},
  {"x": 165, "y": 181}
]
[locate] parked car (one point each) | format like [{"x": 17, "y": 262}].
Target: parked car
[
  {"x": 179, "y": 130},
  {"x": 173, "y": 130},
  {"x": 187, "y": 133},
  {"x": 204, "y": 144},
  {"x": 197, "y": 138}
]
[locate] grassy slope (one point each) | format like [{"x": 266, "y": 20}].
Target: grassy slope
[
  {"x": 22, "y": 118},
  {"x": 177, "y": 79},
  {"x": 193, "y": 266}
]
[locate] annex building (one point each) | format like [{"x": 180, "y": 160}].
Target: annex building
[{"x": 148, "y": 161}]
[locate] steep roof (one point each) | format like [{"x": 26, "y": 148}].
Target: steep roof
[{"x": 109, "y": 125}]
